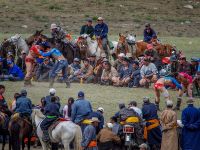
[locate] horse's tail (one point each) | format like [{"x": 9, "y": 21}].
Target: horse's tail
[{"x": 78, "y": 138}]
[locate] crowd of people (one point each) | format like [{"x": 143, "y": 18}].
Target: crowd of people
[{"x": 151, "y": 131}]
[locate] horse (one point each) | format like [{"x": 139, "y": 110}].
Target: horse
[
  {"x": 19, "y": 129},
  {"x": 3, "y": 131},
  {"x": 15, "y": 44},
  {"x": 94, "y": 47},
  {"x": 30, "y": 40},
  {"x": 65, "y": 132}
]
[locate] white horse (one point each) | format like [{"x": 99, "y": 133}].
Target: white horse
[
  {"x": 93, "y": 47},
  {"x": 65, "y": 132},
  {"x": 19, "y": 43}
]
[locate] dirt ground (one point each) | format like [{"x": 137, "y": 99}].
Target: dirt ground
[{"x": 168, "y": 17}]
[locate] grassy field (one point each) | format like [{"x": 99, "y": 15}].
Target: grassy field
[{"x": 107, "y": 97}]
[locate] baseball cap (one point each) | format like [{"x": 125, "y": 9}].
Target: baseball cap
[{"x": 81, "y": 94}]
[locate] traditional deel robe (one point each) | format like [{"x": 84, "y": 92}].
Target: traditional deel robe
[
  {"x": 169, "y": 130},
  {"x": 191, "y": 130}
]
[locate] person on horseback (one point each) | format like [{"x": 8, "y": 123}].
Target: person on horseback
[
  {"x": 101, "y": 31},
  {"x": 52, "y": 93},
  {"x": 52, "y": 114},
  {"x": 60, "y": 65},
  {"x": 88, "y": 28},
  {"x": 149, "y": 33},
  {"x": 4, "y": 107},
  {"x": 58, "y": 33},
  {"x": 23, "y": 105}
]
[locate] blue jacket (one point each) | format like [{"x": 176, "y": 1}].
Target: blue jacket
[
  {"x": 16, "y": 72},
  {"x": 80, "y": 110},
  {"x": 191, "y": 129},
  {"x": 54, "y": 52},
  {"x": 149, "y": 36},
  {"x": 47, "y": 100},
  {"x": 149, "y": 111},
  {"x": 23, "y": 105},
  {"x": 101, "y": 30},
  {"x": 123, "y": 73},
  {"x": 52, "y": 109}
]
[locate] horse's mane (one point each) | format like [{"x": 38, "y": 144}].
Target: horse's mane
[{"x": 38, "y": 113}]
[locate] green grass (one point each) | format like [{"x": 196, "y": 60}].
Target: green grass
[{"x": 107, "y": 97}]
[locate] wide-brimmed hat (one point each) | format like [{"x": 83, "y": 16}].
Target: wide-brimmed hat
[
  {"x": 76, "y": 60},
  {"x": 190, "y": 100},
  {"x": 121, "y": 55},
  {"x": 129, "y": 55},
  {"x": 53, "y": 26},
  {"x": 94, "y": 119},
  {"x": 100, "y": 19},
  {"x": 100, "y": 109}
]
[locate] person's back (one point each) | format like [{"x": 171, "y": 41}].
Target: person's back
[
  {"x": 149, "y": 111},
  {"x": 16, "y": 72},
  {"x": 52, "y": 109}
]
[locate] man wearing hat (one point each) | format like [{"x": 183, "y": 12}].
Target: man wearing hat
[
  {"x": 44, "y": 70},
  {"x": 184, "y": 65},
  {"x": 86, "y": 72},
  {"x": 152, "y": 130},
  {"x": 135, "y": 75},
  {"x": 24, "y": 105},
  {"x": 169, "y": 128},
  {"x": 151, "y": 53},
  {"x": 93, "y": 60},
  {"x": 89, "y": 141},
  {"x": 14, "y": 72},
  {"x": 101, "y": 31},
  {"x": 52, "y": 93},
  {"x": 88, "y": 28},
  {"x": 74, "y": 69},
  {"x": 118, "y": 63},
  {"x": 148, "y": 73},
  {"x": 58, "y": 33},
  {"x": 81, "y": 110},
  {"x": 173, "y": 66},
  {"x": 149, "y": 33},
  {"x": 191, "y": 127},
  {"x": 60, "y": 65}
]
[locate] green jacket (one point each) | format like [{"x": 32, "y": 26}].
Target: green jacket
[{"x": 85, "y": 29}]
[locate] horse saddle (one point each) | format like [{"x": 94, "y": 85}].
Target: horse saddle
[{"x": 53, "y": 126}]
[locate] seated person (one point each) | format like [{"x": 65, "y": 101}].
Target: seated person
[
  {"x": 14, "y": 73},
  {"x": 148, "y": 73},
  {"x": 93, "y": 61},
  {"x": 118, "y": 63},
  {"x": 135, "y": 75},
  {"x": 149, "y": 33},
  {"x": 74, "y": 69},
  {"x": 44, "y": 70},
  {"x": 3, "y": 66},
  {"x": 21, "y": 61},
  {"x": 86, "y": 73},
  {"x": 109, "y": 75},
  {"x": 125, "y": 73},
  {"x": 184, "y": 65}
]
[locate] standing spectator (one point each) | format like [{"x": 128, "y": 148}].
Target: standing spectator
[
  {"x": 88, "y": 28},
  {"x": 148, "y": 73},
  {"x": 21, "y": 61},
  {"x": 152, "y": 131},
  {"x": 173, "y": 66},
  {"x": 191, "y": 127},
  {"x": 89, "y": 141},
  {"x": 81, "y": 110},
  {"x": 184, "y": 65},
  {"x": 67, "y": 110},
  {"x": 194, "y": 66},
  {"x": 101, "y": 31},
  {"x": 135, "y": 75},
  {"x": 149, "y": 33},
  {"x": 116, "y": 126},
  {"x": 169, "y": 128}
]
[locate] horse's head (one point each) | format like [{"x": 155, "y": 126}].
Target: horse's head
[
  {"x": 36, "y": 115},
  {"x": 122, "y": 38},
  {"x": 131, "y": 39},
  {"x": 82, "y": 42},
  {"x": 30, "y": 40}
]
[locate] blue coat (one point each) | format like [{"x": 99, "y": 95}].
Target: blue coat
[
  {"x": 98, "y": 115},
  {"x": 80, "y": 110},
  {"x": 101, "y": 30},
  {"x": 124, "y": 73},
  {"x": 52, "y": 109},
  {"x": 149, "y": 36},
  {"x": 24, "y": 105},
  {"x": 149, "y": 111},
  {"x": 191, "y": 130},
  {"x": 16, "y": 72}
]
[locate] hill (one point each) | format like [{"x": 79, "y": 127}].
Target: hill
[{"x": 168, "y": 17}]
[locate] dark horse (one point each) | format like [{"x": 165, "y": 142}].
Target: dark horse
[
  {"x": 6, "y": 47},
  {"x": 69, "y": 50},
  {"x": 3, "y": 132},
  {"x": 20, "y": 129}
]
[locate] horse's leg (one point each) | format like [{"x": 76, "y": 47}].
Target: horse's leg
[
  {"x": 29, "y": 142},
  {"x": 4, "y": 141},
  {"x": 54, "y": 146},
  {"x": 10, "y": 143},
  {"x": 44, "y": 145},
  {"x": 23, "y": 144},
  {"x": 66, "y": 146}
]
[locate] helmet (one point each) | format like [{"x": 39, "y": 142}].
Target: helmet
[{"x": 53, "y": 26}]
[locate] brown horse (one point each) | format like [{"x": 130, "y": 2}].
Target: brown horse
[
  {"x": 19, "y": 129},
  {"x": 122, "y": 46},
  {"x": 82, "y": 43},
  {"x": 30, "y": 40}
]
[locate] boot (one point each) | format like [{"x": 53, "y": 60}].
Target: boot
[
  {"x": 45, "y": 137},
  {"x": 157, "y": 106},
  {"x": 51, "y": 83},
  {"x": 67, "y": 84},
  {"x": 178, "y": 104},
  {"x": 27, "y": 82}
]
